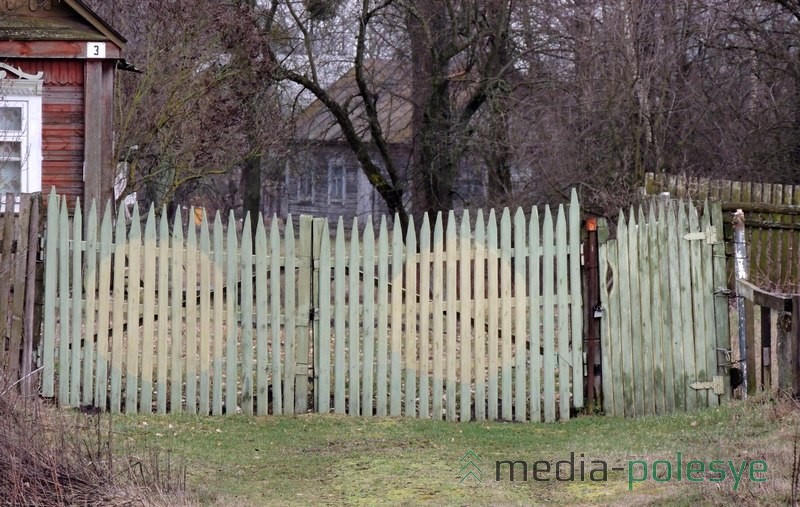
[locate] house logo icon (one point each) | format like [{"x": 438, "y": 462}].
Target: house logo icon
[{"x": 469, "y": 468}]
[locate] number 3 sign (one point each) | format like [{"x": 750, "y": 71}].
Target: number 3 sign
[{"x": 96, "y": 50}]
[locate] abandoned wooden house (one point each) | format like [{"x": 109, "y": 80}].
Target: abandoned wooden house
[
  {"x": 325, "y": 179},
  {"x": 57, "y": 65}
]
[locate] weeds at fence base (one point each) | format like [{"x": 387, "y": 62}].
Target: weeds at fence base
[{"x": 53, "y": 457}]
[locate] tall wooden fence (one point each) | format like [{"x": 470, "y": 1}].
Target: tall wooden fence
[
  {"x": 664, "y": 328},
  {"x": 20, "y": 322},
  {"x": 466, "y": 317},
  {"x": 772, "y": 222}
]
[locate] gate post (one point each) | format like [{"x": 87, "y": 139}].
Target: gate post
[
  {"x": 593, "y": 311},
  {"x": 304, "y": 294},
  {"x": 318, "y": 229}
]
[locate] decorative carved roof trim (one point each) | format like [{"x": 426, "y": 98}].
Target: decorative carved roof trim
[{"x": 25, "y": 84}]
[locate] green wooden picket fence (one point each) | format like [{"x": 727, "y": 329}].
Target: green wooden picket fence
[
  {"x": 464, "y": 318},
  {"x": 665, "y": 325}
]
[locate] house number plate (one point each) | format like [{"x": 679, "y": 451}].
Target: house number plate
[{"x": 96, "y": 50}]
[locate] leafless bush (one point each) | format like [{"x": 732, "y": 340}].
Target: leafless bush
[{"x": 56, "y": 458}]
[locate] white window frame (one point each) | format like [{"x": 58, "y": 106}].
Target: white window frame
[
  {"x": 336, "y": 165},
  {"x": 24, "y": 92}
]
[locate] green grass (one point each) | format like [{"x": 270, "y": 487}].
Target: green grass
[{"x": 326, "y": 459}]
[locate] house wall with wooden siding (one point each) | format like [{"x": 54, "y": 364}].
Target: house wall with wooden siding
[{"x": 63, "y": 123}]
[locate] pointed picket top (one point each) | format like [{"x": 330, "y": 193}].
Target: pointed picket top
[
  {"x": 548, "y": 220},
  {"x": 150, "y": 226},
  {"x": 492, "y": 230},
  {"x": 411, "y": 236},
  {"x": 339, "y": 243},
  {"x": 136, "y": 227},
  {"x": 621, "y": 220}
]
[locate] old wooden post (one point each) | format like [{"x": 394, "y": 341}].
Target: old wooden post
[
  {"x": 740, "y": 257},
  {"x": 785, "y": 352},
  {"x": 593, "y": 313},
  {"x": 304, "y": 294}
]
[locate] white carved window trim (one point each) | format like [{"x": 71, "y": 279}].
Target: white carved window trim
[{"x": 24, "y": 92}]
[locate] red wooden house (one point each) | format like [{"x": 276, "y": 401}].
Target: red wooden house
[{"x": 57, "y": 64}]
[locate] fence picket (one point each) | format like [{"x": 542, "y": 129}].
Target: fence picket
[
  {"x": 324, "y": 341},
  {"x": 686, "y": 307},
  {"x": 304, "y": 254},
  {"x": 339, "y": 340},
  {"x": 637, "y": 335},
  {"x": 275, "y": 313},
  {"x": 231, "y": 321},
  {"x": 118, "y": 311},
  {"x": 103, "y": 311},
  {"x": 64, "y": 334},
  {"x": 437, "y": 383},
  {"x": 76, "y": 300},
  {"x": 548, "y": 293},
  {"x": 50, "y": 291},
  {"x": 289, "y": 310},
  {"x": 653, "y": 306},
  {"x": 492, "y": 315},
  {"x": 534, "y": 316},
  {"x": 219, "y": 314},
  {"x": 479, "y": 315},
  {"x": 203, "y": 406},
  {"x": 132, "y": 285},
  {"x": 367, "y": 370},
  {"x": 679, "y": 368},
  {"x": 505, "y": 316},
  {"x": 148, "y": 312},
  {"x": 424, "y": 316},
  {"x": 576, "y": 299},
  {"x": 662, "y": 310},
  {"x": 381, "y": 371},
  {"x": 163, "y": 312},
  {"x": 396, "y": 324},
  {"x": 190, "y": 300},
  {"x": 706, "y": 290},
  {"x": 262, "y": 316},
  {"x": 626, "y": 346},
  {"x": 353, "y": 327},
  {"x": 648, "y": 340},
  {"x": 520, "y": 324},
  {"x": 176, "y": 365},
  {"x": 90, "y": 285},
  {"x": 451, "y": 277},
  {"x": 412, "y": 334},
  {"x": 246, "y": 311},
  {"x": 698, "y": 304},
  {"x": 562, "y": 298},
  {"x": 465, "y": 317}
]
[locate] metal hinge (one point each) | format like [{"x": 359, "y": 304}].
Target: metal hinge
[
  {"x": 716, "y": 384},
  {"x": 709, "y": 235}
]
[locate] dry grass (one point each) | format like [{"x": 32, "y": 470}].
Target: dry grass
[{"x": 60, "y": 458}]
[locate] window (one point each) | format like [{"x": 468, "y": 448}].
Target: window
[
  {"x": 20, "y": 132},
  {"x": 336, "y": 183},
  {"x": 305, "y": 187}
]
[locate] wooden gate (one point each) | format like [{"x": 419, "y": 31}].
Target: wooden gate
[
  {"x": 664, "y": 329},
  {"x": 19, "y": 312},
  {"x": 474, "y": 317}
]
